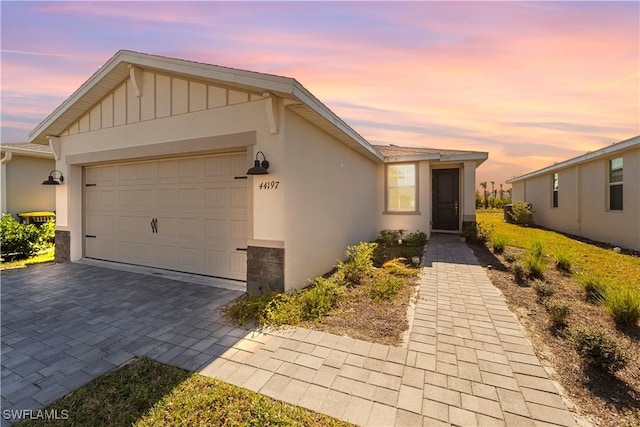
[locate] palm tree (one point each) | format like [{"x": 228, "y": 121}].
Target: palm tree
[{"x": 483, "y": 184}]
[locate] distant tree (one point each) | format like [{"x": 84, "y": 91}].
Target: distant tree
[{"x": 483, "y": 184}]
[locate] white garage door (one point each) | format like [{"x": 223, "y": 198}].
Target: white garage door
[{"x": 184, "y": 214}]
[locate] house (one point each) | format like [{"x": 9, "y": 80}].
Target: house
[
  {"x": 24, "y": 167},
  {"x": 595, "y": 195},
  {"x": 155, "y": 153}
]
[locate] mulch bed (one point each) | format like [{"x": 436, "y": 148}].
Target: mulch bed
[{"x": 604, "y": 399}]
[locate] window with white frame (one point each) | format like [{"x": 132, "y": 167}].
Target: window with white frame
[
  {"x": 615, "y": 184},
  {"x": 554, "y": 190},
  {"x": 402, "y": 189}
]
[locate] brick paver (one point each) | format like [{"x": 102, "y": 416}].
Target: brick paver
[{"x": 467, "y": 360}]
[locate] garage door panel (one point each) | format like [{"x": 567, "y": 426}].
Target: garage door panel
[{"x": 200, "y": 210}]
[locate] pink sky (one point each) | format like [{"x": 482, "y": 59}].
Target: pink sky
[{"x": 531, "y": 83}]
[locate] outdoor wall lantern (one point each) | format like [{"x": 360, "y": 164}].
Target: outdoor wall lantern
[
  {"x": 54, "y": 181},
  {"x": 259, "y": 168}
]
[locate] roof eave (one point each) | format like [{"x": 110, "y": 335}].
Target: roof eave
[{"x": 603, "y": 152}]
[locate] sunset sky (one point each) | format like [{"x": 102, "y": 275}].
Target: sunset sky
[{"x": 532, "y": 83}]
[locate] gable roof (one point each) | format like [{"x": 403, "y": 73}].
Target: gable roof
[
  {"x": 394, "y": 153},
  {"x": 27, "y": 149},
  {"x": 116, "y": 70},
  {"x": 612, "y": 149}
]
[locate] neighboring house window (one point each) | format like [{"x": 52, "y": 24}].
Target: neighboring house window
[
  {"x": 402, "y": 194},
  {"x": 615, "y": 184},
  {"x": 554, "y": 189}
]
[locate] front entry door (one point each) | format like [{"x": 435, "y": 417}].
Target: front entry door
[{"x": 446, "y": 199}]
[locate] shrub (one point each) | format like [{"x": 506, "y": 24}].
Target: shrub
[
  {"x": 509, "y": 257},
  {"x": 359, "y": 263},
  {"x": 518, "y": 270},
  {"x": 484, "y": 232},
  {"x": 536, "y": 250},
  {"x": 594, "y": 289},
  {"x": 417, "y": 239},
  {"x": 383, "y": 285},
  {"x": 282, "y": 309},
  {"x": 564, "y": 261},
  {"x": 248, "y": 308},
  {"x": 598, "y": 349},
  {"x": 521, "y": 213},
  {"x": 319, "y": 299},
  {"x": 390, "y": 237},
  {"x": 543, "y": 289},
  {"x": 535, "y": 267},
  {"x": 499, "y": 243},
  {"x": 397, "y": 267},
  {"x": 623, "y": 304},
  {"x": 25, "y": 239},
  {"x": 558, "y": 311}
]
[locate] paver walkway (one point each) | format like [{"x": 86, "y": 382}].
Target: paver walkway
[{"x": 467, "y": 361}]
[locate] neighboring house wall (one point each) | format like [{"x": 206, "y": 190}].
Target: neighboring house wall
[
  {"x": 583, "y": 200},
  {"x": 330, "y": 199},
  {"x": 22, "y": 185}
]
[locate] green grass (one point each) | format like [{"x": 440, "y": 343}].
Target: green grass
[
  {"x": 605, "y": 266},
  {"x": 147, "y": 393},
  {"x": 43, "y": 257}
]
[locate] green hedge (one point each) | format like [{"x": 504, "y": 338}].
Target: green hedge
[{"x": 25, "y": 239}]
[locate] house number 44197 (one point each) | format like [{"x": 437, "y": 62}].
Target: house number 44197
[{"x": 268, "y": 185}]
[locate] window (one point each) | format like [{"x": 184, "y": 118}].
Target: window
[
  {"x": 554, "y": 189},
  {"x": 615, "y": 184},
  {"x": 402, "y": 192}
]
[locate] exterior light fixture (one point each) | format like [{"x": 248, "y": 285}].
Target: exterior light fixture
[
  {"x": 54, "y": 181},
  {"x": 259, "y": 168}
]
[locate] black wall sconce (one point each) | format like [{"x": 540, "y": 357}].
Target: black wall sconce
[
  {"x": 259, "y": 168},
  {"x": 54, "y": 181}
]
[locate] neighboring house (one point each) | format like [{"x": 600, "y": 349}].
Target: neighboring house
[
  {"x": 155, "y": 152},
  {"x": 596, "y": 195},
  {"x": 24, "y": 167}
]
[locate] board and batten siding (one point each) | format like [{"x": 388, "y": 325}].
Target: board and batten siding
[{"x": 163, "y": 96}]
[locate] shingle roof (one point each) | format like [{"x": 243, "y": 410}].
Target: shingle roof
[{"x": 398, "y": 153}]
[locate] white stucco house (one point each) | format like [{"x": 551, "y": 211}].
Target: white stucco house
[
  {"x": 595, "y": 195},
  {"x": 155, "y": 152},
  {"x": 23, "y": 168}
]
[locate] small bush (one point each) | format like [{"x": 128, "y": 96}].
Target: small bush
[
  {"x": 499, "y": 243},
  {"x": 519, "y": 272},
  {"x": 390, "y": 237},
  {"x": 558, "y": 311},
  {"x": 623, "y": 304},
  {"x": 248, "y": 308},
  {"x": 509, "y": 257},
  {"x": 598, "y": 349},
  {"x": 543, "y": 289},
  {"x": 319, "y": 299},
  {"x": 359, "y": 263},
  {"x": 535, "y": 267},
  {"x": 384, "y": 285},
  {"x": 484, "y": 232},
  {"x": 564, "y": 261},
  {"x": 416, "y": 239},
  {"x": 397, "y": 267},
  {"x": 594, "y": 290},
  {"x": 282, "y": 309},
  {"x": 521, "y": 213},
  {"x": 536, "y": 250}
]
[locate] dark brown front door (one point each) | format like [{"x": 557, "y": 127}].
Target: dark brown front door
[{"x": 446, "y": 199}]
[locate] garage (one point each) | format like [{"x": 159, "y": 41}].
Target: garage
[{"x": 186, "y": 214}]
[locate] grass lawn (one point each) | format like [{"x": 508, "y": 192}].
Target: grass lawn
[
  {"x": 607, "y": 266},
  {"x": 43, "y": 257},
  {"x": 148, "y": 393}
]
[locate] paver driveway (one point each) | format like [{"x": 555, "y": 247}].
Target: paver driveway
[
  {"x": 467, "y": 360},
  {"x": 65, "y": 324}
]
